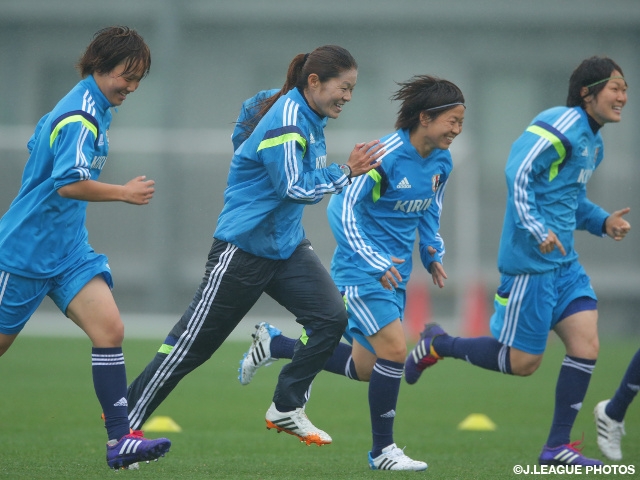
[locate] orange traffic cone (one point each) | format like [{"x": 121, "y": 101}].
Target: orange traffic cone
[
  {"x": 417, "y": 311},
  {"x": 476, "y": 312}
]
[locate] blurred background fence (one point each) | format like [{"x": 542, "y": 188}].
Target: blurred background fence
[{"x": 512, "y": 59}]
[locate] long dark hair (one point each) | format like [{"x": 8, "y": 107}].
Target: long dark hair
[
  {"x": 425, "y": 93},
  {"x": 590, "y": 72},
  {"x": 328, "y": 61}
]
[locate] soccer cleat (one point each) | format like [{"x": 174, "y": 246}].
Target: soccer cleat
[
  {"x": 423, "y": 355},
  {"x": 610, "y": 432},
  {"x": 259, "y": 353},
  {"x": 133, "y": 448},
  {"x": 393, "y": 458},
  {"x": 296, "y": 423},
  {"x": 568, "y": 454}
]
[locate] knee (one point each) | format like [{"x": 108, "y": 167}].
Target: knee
[
  {"x": 592, "y": 347},
  {"x": 339, "y": 320},
  {"x": 118, "y": 337},
  {"x": 395, "y": 352},
  {"x": 588, "y": 349},
  {"x": 343, "y": 319},
  {"x": 5, "y": 342},
  {"x": 110, "y": 337},
  {"x": 524, "y": 370},
  {"x": 400, "y": 353},
  {"x": 525, "y": 366}
]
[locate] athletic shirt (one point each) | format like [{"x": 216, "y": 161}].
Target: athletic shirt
[
  {"x": 547, "y": 174},
  {"x": 278, "y": 170},
  {"x": 249, "y": 109},
  {"x": 43, "y": 233},
  {"x": 377, "y": 216}
]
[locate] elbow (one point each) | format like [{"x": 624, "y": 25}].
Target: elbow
[
  {"x": 296, "y": 197},
  {"x": 65, "y": 191}
]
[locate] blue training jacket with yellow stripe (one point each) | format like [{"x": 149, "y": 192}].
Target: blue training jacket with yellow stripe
[
  {"x": 42, "y": 233},
  {"x": 249, "y": 109},
  {"x": 275, "y": 172},
  {"x": 378, "y": 215},
  {"x": 547, "y": 174}
]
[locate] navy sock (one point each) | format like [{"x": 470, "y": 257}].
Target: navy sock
[
  {"x": 282, "y": 408},
  {"x": 573, "y": 381},
  {"x": 282, "y": 347},
  {"x": 627, "y": 390},
  {"x": 485, "y": 352},
  {"x": 110, "y": 384},
  {"x": 383, "y": 397},
  {"x": 341, "y": 362}
]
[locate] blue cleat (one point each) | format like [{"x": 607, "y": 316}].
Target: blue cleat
[
  {"x": 134, "y": 448},
  {"x": 423, "y": 355}
]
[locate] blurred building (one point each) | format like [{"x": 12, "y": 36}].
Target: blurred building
[{"x": 512, "y": 59}]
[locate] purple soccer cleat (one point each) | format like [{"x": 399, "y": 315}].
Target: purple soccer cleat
[
  {"x": 135, "y": 448},
  {"x": 568, "y": 454},
  {"x": 423, "y": 355}
]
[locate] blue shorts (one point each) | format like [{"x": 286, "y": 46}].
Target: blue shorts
[
  {"x": 370, "y": 308},
  {"x": 21, "y": 296},
  {"x": 528, "y": 306}
]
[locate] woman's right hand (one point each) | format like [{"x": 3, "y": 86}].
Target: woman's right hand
[
  {"x": 391, "y": 277},
  {"x": 364, "y": 157}
]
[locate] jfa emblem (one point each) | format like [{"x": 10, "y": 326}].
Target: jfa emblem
[{"x": 435, "y": 182}]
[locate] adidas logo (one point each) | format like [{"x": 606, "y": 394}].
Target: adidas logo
[
  {"x": 633, "y": 388},
  {"x": 566, "y": 456},
  {"x": 387, "y": 464},
  {"x": 585, "y": 152},
  {"x": 404, "y": 183},
  {"x": 288, "y": 424},
  {"x": 101, "y": 140},
  {"x": 121, "y": 403},
  {"x": 577, "y": 406},
  {"x": 390, "y": 414},
  {"x": 311, "y": 139}
]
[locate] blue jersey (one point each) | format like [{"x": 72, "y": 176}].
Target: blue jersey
[
  {"x": 547, "y": 174},
  {"x": 249, "y": 109},
  {"x": 278, "y": 170},
  {"x": 377, "y": 216},
  {"x": 42, "y": 233}
]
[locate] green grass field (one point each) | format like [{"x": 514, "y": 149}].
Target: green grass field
[{"x": 51, "y": 428}]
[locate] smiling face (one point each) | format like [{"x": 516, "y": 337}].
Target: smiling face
[
  {"x": 439, "y": 132},
  {"x": 116, "y": 86},
  {"x": 327, "y": 98},
  {"x": 606, "y": 106}
]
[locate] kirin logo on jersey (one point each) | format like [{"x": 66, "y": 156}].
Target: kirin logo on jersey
[
  {"x": 585, "y": 173},
  {"x": 321, "y": 161},
  {"x": 435, "y": 182},
  {"x": 98, "y": 162},
  {"x": 409, "y": 206}
]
